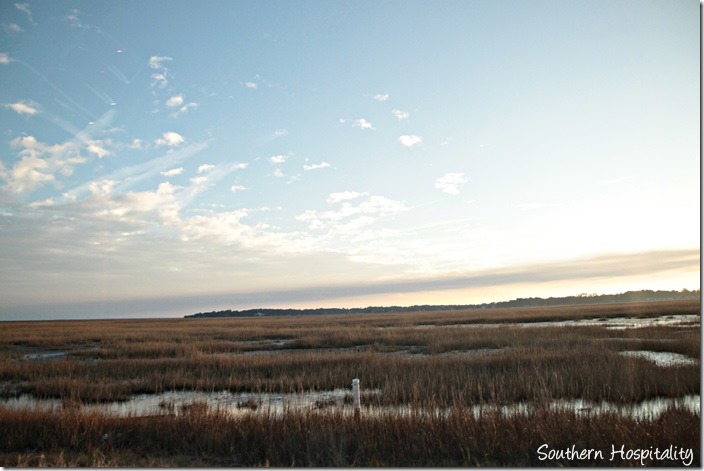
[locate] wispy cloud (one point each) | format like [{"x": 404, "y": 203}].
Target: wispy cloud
[
  {"x": 534, "y": 205},
  {"x": 251, "y": 85},
  {"x": 277, "y": 159},
  {"x": 5, "y": 58},
  {"x": 451, "y": 182},
  {"x": 343, "y": 196},
  {"x": 205, "y": 168},
  {"x": 177, "y": 101},
  {"x": 381, "y": 97},
  {"x": 308, "y": 167},
  {"x": 24, "y": 107},
  {"x": 410, "y": 140},
  {"x": 400, "y": 114},
  {"x": 171, "y": 139},
  {"x": 13, "y": 28},
  {"x": 236, "y": 187},
  {"x": 160, "y": 78},
  {"x": 173, "y": 172},
  {"x": 362, "y": 123},
  {"x": 156, "y": 62},
  {"x": 24, "y": 7},
  {"x": 347, "y": 217},
  {"x": 129, "y": 176},
  {"x": 74, "y": 19},
  {"x": 174, "y": 101},
  {"x": 97, "y": 147}
]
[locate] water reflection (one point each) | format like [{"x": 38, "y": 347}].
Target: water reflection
[{"x": 338, "y": 400}]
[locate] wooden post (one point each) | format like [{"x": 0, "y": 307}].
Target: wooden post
[{"x": 355, "y": 396}]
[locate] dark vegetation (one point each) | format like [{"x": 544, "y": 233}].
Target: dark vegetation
[
  {"x": 627, "y": 297},
  {"x": 448, "y": 359},
  {"x": 204, "y": 438}
]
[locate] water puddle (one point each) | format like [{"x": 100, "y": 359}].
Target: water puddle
[
  {"x": 664, "y": 359},
  {"x": 338, "y": 400},
  {"x": 688, "y": 320}
]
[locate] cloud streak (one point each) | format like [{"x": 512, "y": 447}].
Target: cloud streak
[{"x": 604, "y": 266}]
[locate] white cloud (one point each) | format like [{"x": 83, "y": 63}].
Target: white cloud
[
  {"x": 410, "y": 140},
  {"x": 96, "y": 147},
  {"x": 171, "y": 139},
  {"x": 178, "y": 101},
  {"x": 205, "y": 168},
  {"x": 5, "y": 58},
  {"x": 159, "y": 80},
  {"x": 343, "y": 196},
  {"x": 400, "y": 114},
  {"x": 174, "y": 101},
  {"x": 280, "y": 132},
  {"x": 155, "y": 62},
  {"x": 102, "y": 187},
  {"x": 347, "y": 217},
  {"x": 451, "y": 182},
  {"x": 234, "y": 188},
  {"x": 13, "y": 28},
  {"x": 277, "y": 159},
  {"x": 362, "y": 124},
  {"x": 173, "y": 172},
  {"x": 278, "y": 173},
  {"x": 199, "y": 180},
  {"x": 307, "y": 167},
  {"x": 24, "y": 107},
  {"x": 251, "y": 85},
  {"x": 27, "y": 174},
  {"x": 136, "y": 144},
  {"x": 381, "y": 97},
  {"x": 42, "y": 204},
  {"x": 130, "y": 206},
  {"x": 240, "y": 166},
  {"x": 188, "y": 106},
  {"x": 39, "y": 163}
]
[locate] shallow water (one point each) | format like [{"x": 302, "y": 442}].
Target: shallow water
[
  {"x": 337, "y": 400},
  {"x": 662, "y": 358},
  {"x": 689, "y": 320}
]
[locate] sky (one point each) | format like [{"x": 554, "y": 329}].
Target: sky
[{"x": 163, "y": 158}]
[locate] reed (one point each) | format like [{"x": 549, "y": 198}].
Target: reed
[
  {"x": 422, "y": 357},
  {"x": 199, "y": 437}
]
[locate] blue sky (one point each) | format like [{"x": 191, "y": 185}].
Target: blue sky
[{"x": 168, "y": 157}]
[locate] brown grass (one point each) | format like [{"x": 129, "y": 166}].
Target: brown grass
[
  {"x": 202, "y": 438},
  {"x": 427, "y": 360},
  {"x": 112, "y": 360}
]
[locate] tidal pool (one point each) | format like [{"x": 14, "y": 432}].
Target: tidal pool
[
  {"x": 662, "y": 358},
  {"x": 336, "y": 400}
]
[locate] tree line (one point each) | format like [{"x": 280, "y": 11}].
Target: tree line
[{"x": 629, "y": 296}]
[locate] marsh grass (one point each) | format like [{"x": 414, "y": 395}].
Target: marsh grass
[
  {"x": 199, "y": 437},
  {"x": 113, "y": 360},
  {"x": 421, "y": 360}
]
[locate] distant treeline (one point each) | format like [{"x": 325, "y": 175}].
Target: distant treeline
[{"x": 627, "y": 297}]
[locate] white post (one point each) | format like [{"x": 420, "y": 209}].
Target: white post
[{"x": 355, "y": 396}]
